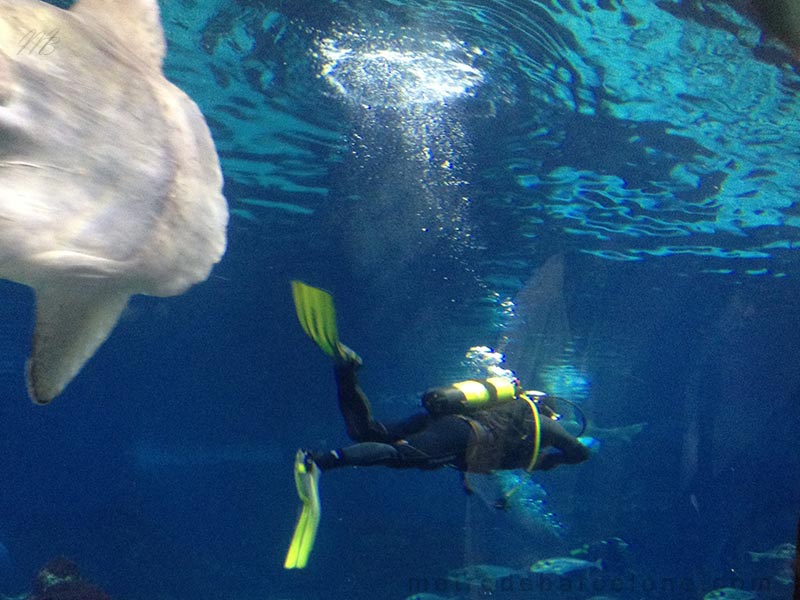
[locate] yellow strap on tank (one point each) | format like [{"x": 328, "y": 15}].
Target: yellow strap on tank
[{"x": 537, "y": 436}]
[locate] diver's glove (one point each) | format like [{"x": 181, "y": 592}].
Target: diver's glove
[{"x": 591, "y": 443}]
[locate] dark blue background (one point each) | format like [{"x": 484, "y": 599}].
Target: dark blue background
[{"x": 221, "y": 387}]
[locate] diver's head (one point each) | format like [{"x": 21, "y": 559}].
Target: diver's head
[
  {"x": 545, "y": 404},
  {"x": 567, "y": 413}
]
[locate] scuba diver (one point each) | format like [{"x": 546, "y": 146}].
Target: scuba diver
[{"x": 475, "y": 426}]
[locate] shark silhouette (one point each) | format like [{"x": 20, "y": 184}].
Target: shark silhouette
[{"x": 109, "y": 181}]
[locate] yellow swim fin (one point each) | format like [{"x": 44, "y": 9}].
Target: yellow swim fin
[
  {"x": 306, "y": 476},
  {"x": 317, "y": 316}
]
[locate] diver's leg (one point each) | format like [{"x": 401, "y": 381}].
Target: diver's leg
[
  {"x": 442, "y": 442},
  {"x": 370, "y": 454},
  {"x": 408, "y": 426},
  {"x": 354, "y": 406}
]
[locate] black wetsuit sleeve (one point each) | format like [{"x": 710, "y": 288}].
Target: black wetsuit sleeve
[{"x": 559, "y": 447}]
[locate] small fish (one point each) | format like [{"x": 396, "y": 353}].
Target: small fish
[
  {"x": 608, "y": 549},
  {"x": 730, "y": 594},
  {"x": 781, "y": 552},
  {"x": 480, "y": 575},
  {"x": 425, "y": 596},
  {"x": 623, "y": 434},
  {"x": 563, "y": 566}
]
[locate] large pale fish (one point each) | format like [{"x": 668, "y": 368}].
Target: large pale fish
[{"x": 109, "y": 181}]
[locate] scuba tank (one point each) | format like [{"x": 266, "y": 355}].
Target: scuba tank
[
  {"x": 473, "y": 395},
  {"x": 469, "y": 396}
]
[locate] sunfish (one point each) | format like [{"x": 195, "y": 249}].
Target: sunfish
[{"x": 109, "y": 181}]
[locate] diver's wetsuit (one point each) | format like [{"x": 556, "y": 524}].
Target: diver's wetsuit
[{"x": 501, "y": 437}]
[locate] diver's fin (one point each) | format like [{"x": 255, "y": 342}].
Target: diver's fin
[
  {"x": 317, "y": 316},
  {"x": 306, "y": 476}
]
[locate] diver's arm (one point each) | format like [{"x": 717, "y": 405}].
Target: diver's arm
[{"x": 569, "y": 449}]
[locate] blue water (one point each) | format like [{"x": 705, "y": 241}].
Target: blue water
[{"x": 606, "y": 191}]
